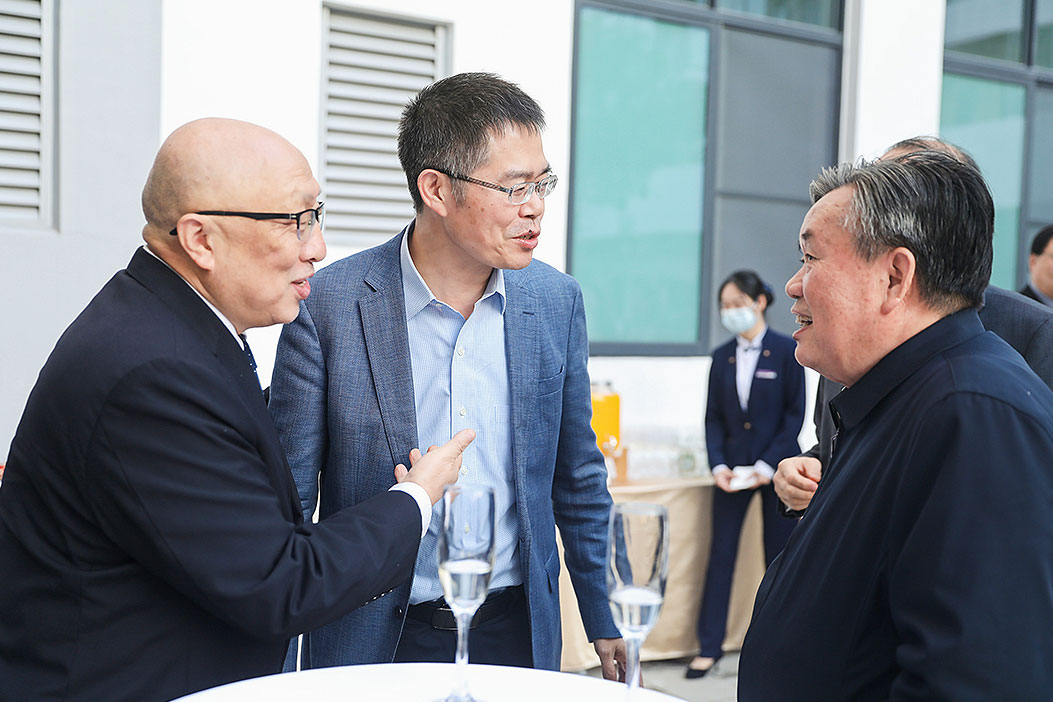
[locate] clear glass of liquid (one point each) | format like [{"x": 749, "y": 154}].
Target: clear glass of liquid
[
  {"x": 637, "y": 565},
  {"x": 466, "y": 559}
]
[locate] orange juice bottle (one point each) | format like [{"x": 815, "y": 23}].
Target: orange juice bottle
[{"x": 606, "y": 417}]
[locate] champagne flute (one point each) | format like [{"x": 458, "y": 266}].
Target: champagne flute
[
  {"x": 638, "y": 562},
  {"x": 466, "y": 559}
]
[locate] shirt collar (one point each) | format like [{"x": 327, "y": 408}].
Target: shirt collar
[
  {"x": 853, "y": 404},
  {"x": 756, "y": 343},
  {"x": 226, "y": 322},
  {"x": 419, "y": 295}
]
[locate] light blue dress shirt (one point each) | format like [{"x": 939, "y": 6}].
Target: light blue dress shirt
[{"x": 460, "y": 381}]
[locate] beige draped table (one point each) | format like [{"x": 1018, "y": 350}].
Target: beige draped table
[{"x": 689, "y": 501}]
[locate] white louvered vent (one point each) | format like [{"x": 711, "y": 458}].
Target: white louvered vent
[
  {"x": 374, "y": 66},
  {"x": 24, "y": 68}
]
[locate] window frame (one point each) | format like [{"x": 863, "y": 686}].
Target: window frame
[
  {"x": 1032, "y": 77},
  {"x": 717, "y": 22}
]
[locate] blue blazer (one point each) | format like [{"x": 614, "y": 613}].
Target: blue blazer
[
  {"x": 774, "y": 414},
  {"x": 342, "y": 398}
]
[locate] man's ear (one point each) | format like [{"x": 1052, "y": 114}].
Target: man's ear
[
  {"x": 195, "y": 237},
  {"x": 901, "y": 269},
  {"x": 435, "y": 191}
]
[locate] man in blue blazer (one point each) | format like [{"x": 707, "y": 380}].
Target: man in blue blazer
[
  {"x": 151, "y": 539},
  {"x": 451, "y": 325}
]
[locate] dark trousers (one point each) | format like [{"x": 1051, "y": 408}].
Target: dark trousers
[
  {"x": 503, "y": 640},
  {"x": 729, "y": 511}
]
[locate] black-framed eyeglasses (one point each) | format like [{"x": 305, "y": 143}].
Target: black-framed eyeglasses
[
  {"x": 517, "y": 194},
  {"x": 305, "y": 219}
]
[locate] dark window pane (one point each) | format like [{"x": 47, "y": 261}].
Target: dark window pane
[
  {"x": 766, "y": 162},
  {"x": 821, "y": 12},
  {"x": 986, "y": 118},
  {"x": 1040, "y": 194},
  {"x": 639, "y": 153},
  {"x": 992, "y": 28}
]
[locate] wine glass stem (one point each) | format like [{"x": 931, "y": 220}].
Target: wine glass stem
[
  {"x": 464, "y": 621},
  {"x": 632, "y": 659}
]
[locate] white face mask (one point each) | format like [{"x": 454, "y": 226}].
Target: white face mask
[{"x": 738, "y": 320}]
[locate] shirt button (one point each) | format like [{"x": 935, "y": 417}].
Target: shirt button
[
  {"x": 460, "y": 351},
  {"x": 463, "y": 411},
  {"x": 464, "y": 471},
  {"x": 747, "y": 425}
]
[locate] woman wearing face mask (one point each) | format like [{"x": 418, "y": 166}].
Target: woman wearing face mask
[{"x": 754, "y": 412}]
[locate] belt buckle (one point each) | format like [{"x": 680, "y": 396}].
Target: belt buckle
[{"x": 443, "y": 619}]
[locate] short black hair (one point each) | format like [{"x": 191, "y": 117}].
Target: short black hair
[
  {"x": 1041, "y": 240},
  {"x": 750, "y": 284},
  {"x": 930, "y": 203},
  {"x": 448, "y": 125}
]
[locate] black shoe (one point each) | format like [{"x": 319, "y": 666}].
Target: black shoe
[{"x": 695, "y": 673}]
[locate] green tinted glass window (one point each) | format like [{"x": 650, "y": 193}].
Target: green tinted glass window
[
  {"x": 639, "y": 151},
  {"x": 824, "y": 13},
  {"x": 986, "y": 118},
  {"x": 992, "y": 28},
  {"x": 1044, "y": 38}
]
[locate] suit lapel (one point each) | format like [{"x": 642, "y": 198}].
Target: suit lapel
[
  {"x": 731, "y": 386},
  {"x": 521, "y": 355},
  {"x": 183, "y": 301},
  {"x": 764, "y": 362},
  {"x": 387, "y": 346}
]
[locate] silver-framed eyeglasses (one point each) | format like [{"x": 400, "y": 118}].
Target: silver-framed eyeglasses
[
  {"x": 305, "y": 219},
  {"x": 517, "y": 194}
]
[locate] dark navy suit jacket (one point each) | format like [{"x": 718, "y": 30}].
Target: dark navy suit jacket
[
  {"x": 768, "y": 429},
  {"x": 923, "y": 569},
  {"x": 151, "y": 538},
  {"x": 1022, "y": 323}
]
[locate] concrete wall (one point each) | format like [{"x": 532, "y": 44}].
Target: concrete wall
[{"x": 107, "y": 124}]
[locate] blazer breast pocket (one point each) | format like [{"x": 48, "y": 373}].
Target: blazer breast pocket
[{"x": 547, "y": 386}]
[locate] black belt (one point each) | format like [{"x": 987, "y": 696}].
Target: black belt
[{"x": 438, "y": 614}]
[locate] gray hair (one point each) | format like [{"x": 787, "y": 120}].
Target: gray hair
[
  {"x": 930, "y": 203},
  {"x": 931, "y": 143},
  {"x": 448, "y": 125}
]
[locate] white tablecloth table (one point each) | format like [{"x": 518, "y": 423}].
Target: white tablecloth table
[{"x": 424, "y": 682}]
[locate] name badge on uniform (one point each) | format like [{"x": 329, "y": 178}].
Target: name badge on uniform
[{"x": 765, "y": 374}]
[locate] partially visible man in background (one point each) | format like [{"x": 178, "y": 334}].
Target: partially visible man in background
[
  {"x": 151, "y": 539},
  {"x": 1040, "y": 264}
]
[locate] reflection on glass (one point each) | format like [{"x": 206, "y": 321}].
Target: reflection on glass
[
  {"x": 821, "y": 12},
  {"x": 992, "y": 28},
  {"x": 986, "y": 118},
  {"x": 1044, "y": 40},
  {"x": 639, "y": 154},
  {"x": 1040, "y": 194}
]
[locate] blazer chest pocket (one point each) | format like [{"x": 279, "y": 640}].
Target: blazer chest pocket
[{"x": 547, "y": 386}]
